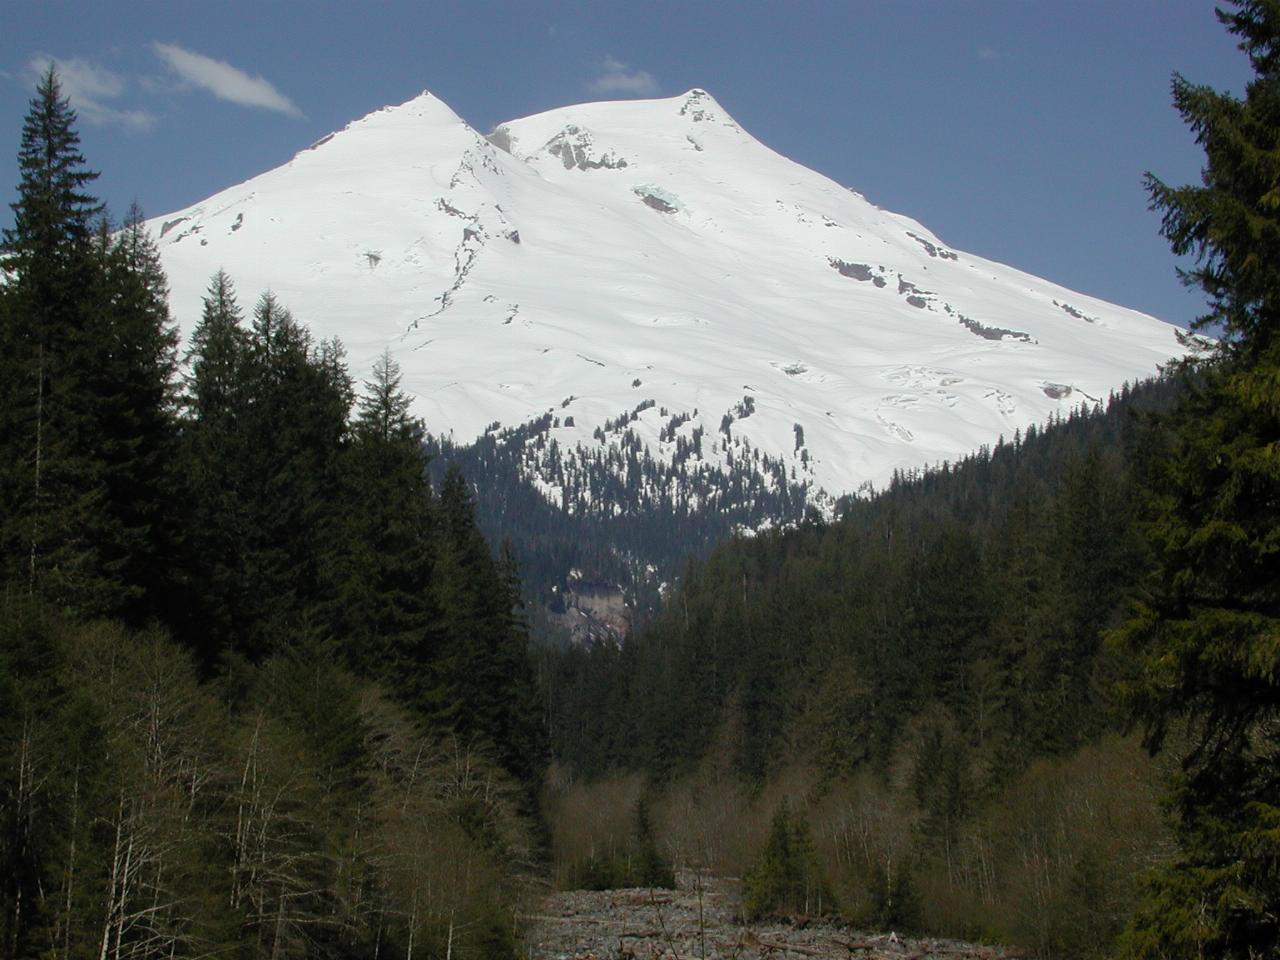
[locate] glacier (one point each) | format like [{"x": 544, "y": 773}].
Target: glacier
[{"x": 649, "y": 266}]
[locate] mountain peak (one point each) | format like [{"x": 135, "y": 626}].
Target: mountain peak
[
  {"x": 382, "y": 150},
  {"x": 425, "y": 106},
  {"x": 423, "y": 110},
  {"x": 697, "y": 104},
  {"x": 645, "y": 273}
]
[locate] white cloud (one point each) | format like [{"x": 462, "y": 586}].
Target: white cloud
[
  {"x": 88, "y": 87},
  {"x": 988, "y": 53},
  {"x": 224, "y": 81},
  {"x": 618, "y": 77}
]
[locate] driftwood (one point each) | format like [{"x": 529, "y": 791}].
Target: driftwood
[
  {"x": 703, "y": 918},
  {"x": 852, "y": 945},
  {"x": 804, "y": 951}
]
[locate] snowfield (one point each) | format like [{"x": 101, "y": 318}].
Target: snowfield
[{"x": 601, "y": 258}]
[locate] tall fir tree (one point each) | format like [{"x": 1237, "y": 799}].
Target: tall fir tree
[
  {"x": 264, "y": 443},
  {"x": 1207, "y": 634},
  {"x": 382, "y": 602},
  {"x": 136, "y": 404},
  {"x": 214, "y": 588},
  {"x": 50, "y": 498},
  {"x": 296, "y": 433},
  {"x": 86, "y": 356},
  {"x": 483, "y": 683}
]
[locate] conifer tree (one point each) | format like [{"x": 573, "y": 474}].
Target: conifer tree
[
  {"x": 471, "y": 597},
  {"x": 49, "y": 500},
  {"x": 53, "y": 215},
  {"x": 216, "y": 351},
  {"x": 785, "y": 878},
  {"x": 267, "y": 411},
  {"x": 483, "y": 685},
  {"x": 86, "y": 357},
  {"x": 212, "y": 447},
  {"x": 383, "y": 610},
  {"x": 1207, "y": 634},
  {"x": 133, "y": 382}
]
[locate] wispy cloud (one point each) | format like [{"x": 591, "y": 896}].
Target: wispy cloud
[
  {"x": 224, "y": 81},
  {"x": 619, "y": 77},
  {"x": 89, "y": 88},
  {"x": 988, "y": 53}
]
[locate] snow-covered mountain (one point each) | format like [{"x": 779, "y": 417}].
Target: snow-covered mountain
[{"x": 647, "y": 271}]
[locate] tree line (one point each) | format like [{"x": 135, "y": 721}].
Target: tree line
[
  {"x": 265, "y": 687},
  {"x": 854, "y": 715},
  {"x": 983, "y": 623},
  {"x": 976, "y": 594},
  {"x": 621, "y": 517}
]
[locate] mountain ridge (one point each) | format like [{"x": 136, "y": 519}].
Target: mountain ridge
[{"x": 649, "y": 266}]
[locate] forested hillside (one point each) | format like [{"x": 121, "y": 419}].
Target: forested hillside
[
  {"x": 921, "y": 690},
  {"x": 625, "y": 521},
  {"x": 266, "y": 692},
  {"x": 976, "y": 593},
  {"x": 924, "y": 715}
]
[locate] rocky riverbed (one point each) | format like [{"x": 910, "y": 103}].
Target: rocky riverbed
[{"x": 700, "y": 921}]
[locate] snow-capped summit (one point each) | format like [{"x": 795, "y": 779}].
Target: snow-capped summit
[{"x": 648, "y": 267}]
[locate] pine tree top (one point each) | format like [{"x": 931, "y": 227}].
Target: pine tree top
[{"x": 53, "y": 211}]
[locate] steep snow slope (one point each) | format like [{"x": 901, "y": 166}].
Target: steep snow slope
[{"x": 652, "y": 259}]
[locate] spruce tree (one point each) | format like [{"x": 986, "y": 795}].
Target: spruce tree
[
  {"x": 214, "y": 588},
  {"x": 483, "y": 685},
  {"x": 785, "y": 879},
  {"x": 470, "y": 597},
  {"x": 53, "y": 215},
  {"x": 86, "y": 359},
  {"x": 48, "y": 497},
  {"x": 383, "y": 611},
  {"x": 264, "y": 441},
  {"x": 133, "y": 383},
  {"x": 296, "y": 434},
  {"x": 1206, "y": 636}
]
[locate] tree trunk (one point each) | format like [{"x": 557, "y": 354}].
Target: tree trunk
[
  {"x": 71, "y": 866},
  {"x": 35, "y": 503}
]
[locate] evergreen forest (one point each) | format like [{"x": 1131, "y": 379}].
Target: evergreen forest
[
  {"x": 267, "y": 690},
  {"x": 1031, "y": 697}
]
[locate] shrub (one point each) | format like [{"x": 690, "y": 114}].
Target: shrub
[
  {"x": 785, "y": 880},
  {"x": 895, "y": 902}
]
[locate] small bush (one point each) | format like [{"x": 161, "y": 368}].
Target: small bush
[
  {"x": 895, "y": 902},
  {"x": 650, "y": 869},
  {"x": 639, "y": 864},
  {"x": 785, "y": 880}
]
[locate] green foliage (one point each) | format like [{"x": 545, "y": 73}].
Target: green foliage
[
  {"x": 1092, "y": 921},
  {"x": 339, "y": 751},
  {"x": 636, "y": 863},
  {"x": 894, "y": 900},
  {"x": 1205, "y": 633},
  {"x": 977, "y": 592},
  {"x": 785, "y": 879},
  {"x": 943, "y": 641},
  {"x": 135, "y": 400},
  {"x": 143, "y": 813},
  {"x": 86, "y": 363},
  {"x": 650, "y": 868}
]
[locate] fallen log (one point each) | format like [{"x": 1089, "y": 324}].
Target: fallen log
[{"x": 804, "y": 951}]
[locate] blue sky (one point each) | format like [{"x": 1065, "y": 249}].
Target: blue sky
[{"x": 1014, "y": 129}]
